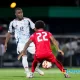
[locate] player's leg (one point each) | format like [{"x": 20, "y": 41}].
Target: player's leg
[
  {"x": 31, "y": 49},
  {"x": 25, "y": 63},
  {"x": 60, "y": 66},
  {"x": 34, "y": 64},
  {"x": 24, "y": 59},
  {"x": 53, "y": 59}
]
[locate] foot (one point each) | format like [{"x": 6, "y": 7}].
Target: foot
[
  {"x": 66, "y": 76},
  {"x": 39, "y": 71},
  {"x": 31, "y": 75},
  {"x": 27, "y": 74}
]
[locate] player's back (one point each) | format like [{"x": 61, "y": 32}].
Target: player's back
[{"x": 42, "y": 41}]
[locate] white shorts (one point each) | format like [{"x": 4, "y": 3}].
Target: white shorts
[{"x": 30, "y": 49}]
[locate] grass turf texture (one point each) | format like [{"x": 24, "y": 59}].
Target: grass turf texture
[{"x": 50, "y": 74}]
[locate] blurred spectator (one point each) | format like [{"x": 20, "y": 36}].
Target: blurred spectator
[
  {"x": 1, "y": 29},
  {"x": 77, "y": 53},
  {"x": 2, "y": 40},
  {"x": 70, "y": 49},
  {"x": 1, "y": 53}
]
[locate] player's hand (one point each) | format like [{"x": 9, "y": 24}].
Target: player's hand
[
  {"x": 5, "y": 47},
  {"x": 20, "y": 55},
  {"x": 62, "y": 53}
]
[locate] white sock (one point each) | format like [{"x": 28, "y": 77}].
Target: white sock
[{"x": 25, "y": 63}]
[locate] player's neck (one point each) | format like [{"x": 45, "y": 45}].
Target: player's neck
[
  {"x": 20, "y": 19},
  {"x": 40, "y": 29}
]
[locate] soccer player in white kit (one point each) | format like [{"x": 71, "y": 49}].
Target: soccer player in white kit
[{"x": 21, "y": 26}]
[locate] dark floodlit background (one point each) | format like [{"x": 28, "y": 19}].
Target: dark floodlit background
[{"x": 62, "y": 18}]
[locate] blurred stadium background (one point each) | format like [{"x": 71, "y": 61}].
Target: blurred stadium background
[{"x": 63, "y": 21}]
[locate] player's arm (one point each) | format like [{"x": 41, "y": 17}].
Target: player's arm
[
  {"x": 27, "y": 45},
  {"x": 8, "y": 35},
  {"x": 7, "y": 39},
  {"x": 32, "y": 25},
  {"x": 56, "y": 44},
  {"x": 25, "y": 48}
]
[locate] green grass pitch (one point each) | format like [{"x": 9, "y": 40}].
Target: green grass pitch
[{"x": 50, "y": 74}]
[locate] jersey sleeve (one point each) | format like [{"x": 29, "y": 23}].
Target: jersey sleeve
[
  {"x": 32, "y": 37},
  {"x": 32, "y": 25},
  {"x": 50, "y": 35},
  {"x": 10, "y": 27}
]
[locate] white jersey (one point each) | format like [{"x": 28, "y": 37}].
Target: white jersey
[{"x": 21, "y": 29}]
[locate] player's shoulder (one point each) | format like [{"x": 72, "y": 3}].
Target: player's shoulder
[
  {"x": 33, "y": 35},
  {"x": 14, "y": 20},
  {"x": 49, "y": 33},
  {"x": 26, "y": 18}
]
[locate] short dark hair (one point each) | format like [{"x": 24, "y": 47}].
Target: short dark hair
[
  {"x": 39, "y": 24},
  {"x": 18, "y": 8}
]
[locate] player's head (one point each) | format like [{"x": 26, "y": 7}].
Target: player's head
[
  {"x": 19, "y": 13},
  {"x": 39, "y": 24}
]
